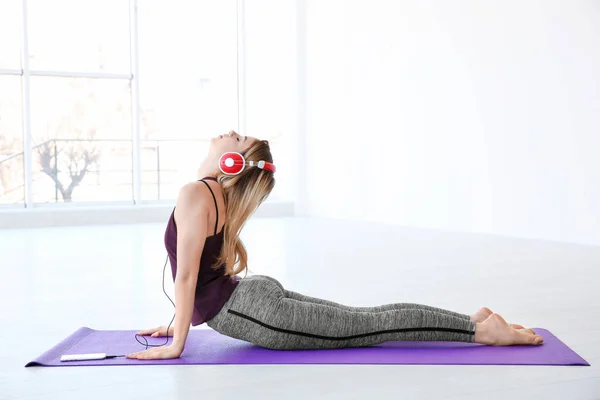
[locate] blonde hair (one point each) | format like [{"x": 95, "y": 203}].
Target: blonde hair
[{"x": 243, "y": 194}]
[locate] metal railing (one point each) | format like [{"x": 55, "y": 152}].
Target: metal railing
[{"x": 53, "y": 144}]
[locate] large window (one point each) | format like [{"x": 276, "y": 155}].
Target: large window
[
  {"x": 115, "y": 100},
  {"x": 188, "y": 87}
]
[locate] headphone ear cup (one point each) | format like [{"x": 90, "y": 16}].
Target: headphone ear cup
[{"x": 232, "y": 163}]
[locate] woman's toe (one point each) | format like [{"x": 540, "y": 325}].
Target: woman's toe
[{"x": 521, "y": 328}]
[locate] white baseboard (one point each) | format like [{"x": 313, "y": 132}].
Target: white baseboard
[{"x": 107, "y": 215}]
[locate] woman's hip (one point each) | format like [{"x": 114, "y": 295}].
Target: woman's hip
[{"x": 256, "y": 296}]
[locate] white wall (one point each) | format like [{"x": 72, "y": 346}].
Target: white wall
[{"x": 463, "y": 115}]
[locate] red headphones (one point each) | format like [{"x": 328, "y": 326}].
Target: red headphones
[{"x": 234, "y": 163}]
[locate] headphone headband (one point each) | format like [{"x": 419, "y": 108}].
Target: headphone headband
[{"x": 233, "y": 163}]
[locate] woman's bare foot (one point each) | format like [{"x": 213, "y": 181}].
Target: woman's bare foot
[
  {"x": 483, "y": 313},
  {"x": 521, "y": 328},
  {"x": 496, "y": 331}
]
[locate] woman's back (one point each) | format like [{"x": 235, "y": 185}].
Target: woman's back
[{"x": 213, "y": 287}]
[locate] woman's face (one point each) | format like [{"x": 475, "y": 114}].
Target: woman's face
[{"x": 231, "y": 142}]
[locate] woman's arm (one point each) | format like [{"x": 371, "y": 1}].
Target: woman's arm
[{"x": 191, "y": 217}]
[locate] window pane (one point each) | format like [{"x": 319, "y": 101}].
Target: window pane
[
  {"x": 167, "y": 165},
  {"x": 10, "y": 33},
  {"x": 82, "y": 139},
  {"x": 75, "y": 35},
  {"x": 11, "y": 141},
  {"x": 188, "y": 82},
  {"x": 270, "y": 82}
]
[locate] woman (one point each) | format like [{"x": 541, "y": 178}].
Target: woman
[{"x": 206, "y": 254}]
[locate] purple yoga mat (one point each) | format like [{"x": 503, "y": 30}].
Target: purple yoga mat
[{"x": 206, "y": 346}]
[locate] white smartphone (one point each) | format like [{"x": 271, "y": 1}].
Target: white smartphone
[{"x": 83, "y": 357}]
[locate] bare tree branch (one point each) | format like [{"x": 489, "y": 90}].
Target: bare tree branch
[{"x": 77, "y": 159}]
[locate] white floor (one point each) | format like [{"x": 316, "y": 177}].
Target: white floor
[{"x": 55, "y": 280}]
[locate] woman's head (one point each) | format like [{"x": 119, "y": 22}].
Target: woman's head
[
  {"x": 244, "y": 193},
  {"x": 231, "y": 142}
]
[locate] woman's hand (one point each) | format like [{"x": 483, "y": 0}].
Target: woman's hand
[
  {"x": 157, "y": 353},
  {"x": 158, "y": 332}
]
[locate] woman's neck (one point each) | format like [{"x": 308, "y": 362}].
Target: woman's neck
[{"x": 207, "y": 168}]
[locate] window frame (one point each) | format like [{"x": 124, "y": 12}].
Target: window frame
[{"x": 25, "y": 72}]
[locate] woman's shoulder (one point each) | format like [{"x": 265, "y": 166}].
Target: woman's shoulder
[{"x": 195, "y": 194}]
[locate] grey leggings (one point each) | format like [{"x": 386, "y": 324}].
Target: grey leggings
[{"x": 262, "y": 312}]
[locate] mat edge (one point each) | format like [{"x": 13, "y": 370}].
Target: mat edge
[{"x": 60, "y": 346}]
